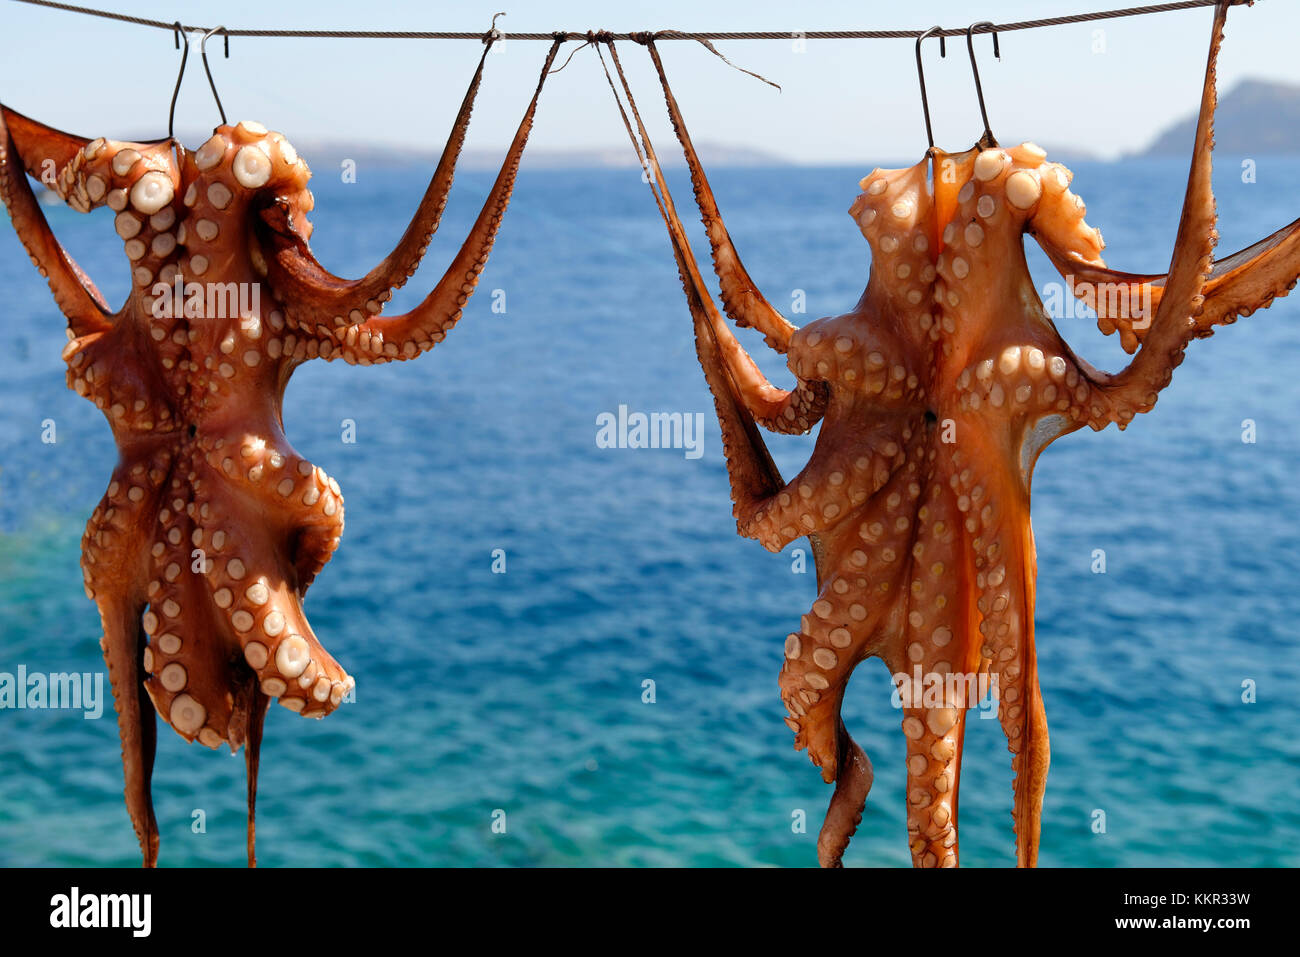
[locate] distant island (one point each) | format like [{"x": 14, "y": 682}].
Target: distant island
[{"x": 1255, "y": 117}]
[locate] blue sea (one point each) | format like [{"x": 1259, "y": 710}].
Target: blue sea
[{"x": 517, "y": 698}]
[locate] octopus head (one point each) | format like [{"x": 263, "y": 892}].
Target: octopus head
[{"x": 248, "y": 168}]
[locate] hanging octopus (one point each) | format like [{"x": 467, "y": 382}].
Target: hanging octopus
[
  {"x": 213, "y": 527},
  {"x": 936, "y": 395}
]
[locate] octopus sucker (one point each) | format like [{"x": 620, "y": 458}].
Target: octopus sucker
[
  {"x": 945, "y": 399},
  {"x": 213, "y": 527}
]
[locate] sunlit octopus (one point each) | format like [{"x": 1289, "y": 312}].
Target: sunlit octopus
[
  {"x": 212, "y": 527},
  {"x": 936, "y": 395}
]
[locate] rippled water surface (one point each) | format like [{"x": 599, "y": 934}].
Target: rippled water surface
[{"x": 522, "y": 692}]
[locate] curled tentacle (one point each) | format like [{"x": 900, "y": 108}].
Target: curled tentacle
[
  {"x": 852, "y": 785},
  {"x": 838, "y": 479},
  {"x": 261, "y": 606}
]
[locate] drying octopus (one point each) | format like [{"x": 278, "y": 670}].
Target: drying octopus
[
  {"x": 213, "y": 527},
  {"x": 936, "y": 395}
]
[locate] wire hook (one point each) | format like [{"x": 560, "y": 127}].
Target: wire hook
[
  {"x": 920, "y": 74},
  {"x": 203, "y": 50},
  {"x": 177, "y": 33},
  {"x": 987, "y": 139}
]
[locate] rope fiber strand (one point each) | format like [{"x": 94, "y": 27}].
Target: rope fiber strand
[{"x": 639, "y": 37}]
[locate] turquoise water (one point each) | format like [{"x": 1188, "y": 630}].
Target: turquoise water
[{"x": 522, "y": 692}]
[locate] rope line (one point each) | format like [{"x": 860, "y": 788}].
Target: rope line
[{"x": 640, "y": 37}]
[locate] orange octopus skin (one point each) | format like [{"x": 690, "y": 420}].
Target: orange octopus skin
[
  {"x": 213, "y": 527},
  {"x": 941, "y": 387}
]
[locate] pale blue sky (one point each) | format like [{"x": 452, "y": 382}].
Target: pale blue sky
[{"x": 843, "y": 101}]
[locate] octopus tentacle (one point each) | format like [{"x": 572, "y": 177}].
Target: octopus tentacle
[
  {"x": 89, "y": 174},
  {"x": 1238, "y": 285},
  {"x": 1057, "y": 224},
  {"x": 1003, "y": 557},
  {"x": 779, "y": 410},
  {"x": 752, "y": 474},
  {"x": 406, "y": 336},
  {"x": 754, "y": 478},
  {"x": 122, "y": 644},
  {"x": 36, "y": 144},
  {"x": 837, "y": 479},
  {"x": 812, "y": 698},
  {"x": 859, "y": 610},
  {"x": 836, "y": 633},
  {"x": 934, "y": 660},
  {"x": 1250, "y": 279},
  {"x": 1136, "y": 388},
  {"x": 261, "y": 604},
  {"x": 741, "y": 298},
  {"x": 1123, "y": 301},
  {"x": 268, "y": 474},
  {"x": 76, "y": 295},
  {"x": 318, "y": 296},
  {"x": 790, "y": 411},
  {"x": 190, "y": 675},
  {"x": 252, "y": 757},
  {"x": 934, "y": 740},
  {"x": 1007, "y": 594},
  {"x": 114, "y": 579},
  {"x": 340, "y": 317},
  {"x": 853, "y": 780}
]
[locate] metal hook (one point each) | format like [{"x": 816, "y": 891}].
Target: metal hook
[
  {"x": 987, "y": 139},
  {"x": 177, "y": 33},
  {"x": 203, "y": 50},
  {"x": 920, "y": 74}
]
